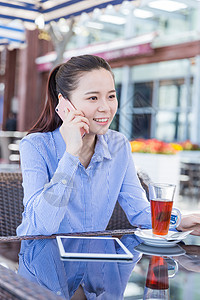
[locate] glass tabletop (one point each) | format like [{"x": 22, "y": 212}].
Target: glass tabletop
[{"x": 153, "y": 272}]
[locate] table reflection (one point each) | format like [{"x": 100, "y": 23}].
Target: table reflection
[
  {"x": 164, "y": 263},
  {"x": 39, "y": 261},
  {"x": 190, "y": 261},
  {"x": 157, "y": 283}
]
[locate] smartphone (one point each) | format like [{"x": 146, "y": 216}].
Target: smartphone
[{"x": 64, "y": 104}]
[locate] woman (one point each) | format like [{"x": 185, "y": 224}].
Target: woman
[{"x": 71, "y": 183}]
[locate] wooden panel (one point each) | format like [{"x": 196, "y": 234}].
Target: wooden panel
[
  {"x": 180, "y": 51},
  {"x": 9, "y": 79},
  {"x": 27, "y": 82},
  {"x": 31, "y": 86}
]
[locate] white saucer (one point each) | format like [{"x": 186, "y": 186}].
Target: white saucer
[
  {"x": 149, "y": 239},
  {"x": 174, "y": 250}
]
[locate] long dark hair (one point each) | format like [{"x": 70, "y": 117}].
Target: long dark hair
[{"x": 64, "y": 79}]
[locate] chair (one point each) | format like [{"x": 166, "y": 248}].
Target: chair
[
  {"x": 13, "y": 286},
  {"x": 190, "y": 179},
  {"x": 11, "y": 203},
  {"x": 119, "y": 219}
]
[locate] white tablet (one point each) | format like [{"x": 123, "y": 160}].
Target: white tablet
[{"x": 92, "y": 249}]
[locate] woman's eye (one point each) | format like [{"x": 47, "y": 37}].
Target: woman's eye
[
  {"x": 112, "y": 97},
  {"x": 93, "y": 98}
]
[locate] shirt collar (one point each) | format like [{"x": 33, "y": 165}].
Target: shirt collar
[{"x": 101, "y": 148}]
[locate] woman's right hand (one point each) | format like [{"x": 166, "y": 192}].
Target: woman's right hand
[{"x": 70, "y": 130}]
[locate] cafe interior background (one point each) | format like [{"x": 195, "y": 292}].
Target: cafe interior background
[{"x": 154, "y": 49}]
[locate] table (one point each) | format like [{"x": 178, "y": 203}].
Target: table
[{"x": 39, "y": 262}]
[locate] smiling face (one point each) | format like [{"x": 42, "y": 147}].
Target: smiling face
[{"x": 95, "y": 96}]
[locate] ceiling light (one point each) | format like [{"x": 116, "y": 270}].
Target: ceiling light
[
  {"x": 144, "y": 14},
  {"x": 39, "y": 21},
  {"x": 112, "y": 19},
  {"x": 96, "y": 13},
  {"x": 167, "y": 5},
  {"x": 95, "y": 25}
]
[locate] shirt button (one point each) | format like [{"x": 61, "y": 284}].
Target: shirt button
[{"x": 64, "y": 181}]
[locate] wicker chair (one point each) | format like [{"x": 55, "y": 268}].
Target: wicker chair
[
  {"x": 119, "y": 219},
  {"x": 14, "y": 286},
  {"x": 11, "y": 204}
]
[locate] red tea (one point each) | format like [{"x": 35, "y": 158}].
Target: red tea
[
  {"x": 157, "y": 277},
  {"x": 160, "y": 216}
]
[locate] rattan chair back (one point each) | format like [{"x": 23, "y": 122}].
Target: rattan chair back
[
  {"x": 119, "y": 219},
  {"x": 11, "y": 202}
]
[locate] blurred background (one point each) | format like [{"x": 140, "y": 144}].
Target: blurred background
[{"x": 153, "y": 47}]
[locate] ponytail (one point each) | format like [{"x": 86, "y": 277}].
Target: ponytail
[{"x": 49, "y": 120}]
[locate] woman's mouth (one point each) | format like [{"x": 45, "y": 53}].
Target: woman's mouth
[{"x": 102, "y": 121}]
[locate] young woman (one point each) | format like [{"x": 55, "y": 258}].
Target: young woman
[{"x": 72, "y": 182}]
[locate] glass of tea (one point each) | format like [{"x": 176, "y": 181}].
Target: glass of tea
[{"x": 161, "y": 198}]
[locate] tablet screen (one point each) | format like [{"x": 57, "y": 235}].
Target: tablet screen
[{"x": 92, "y": 248}]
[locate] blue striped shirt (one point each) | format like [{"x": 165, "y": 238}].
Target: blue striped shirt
[{"x": 62, "y": 196}]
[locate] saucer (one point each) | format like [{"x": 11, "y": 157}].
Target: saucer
[
  {"x": 149, "y": 239},
  {"x": 174, "y": 250}
]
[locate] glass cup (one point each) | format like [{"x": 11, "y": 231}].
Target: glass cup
[
  {"x": 157, "y": 283},
  {"x": 162, "y": 212}
]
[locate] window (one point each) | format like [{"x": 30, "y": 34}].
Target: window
[
  {"x": 172, "y": 118},
  {"x": 142, "y": 105}
]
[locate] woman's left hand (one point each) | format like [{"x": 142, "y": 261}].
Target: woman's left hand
[{"x": 190, "y": 222}]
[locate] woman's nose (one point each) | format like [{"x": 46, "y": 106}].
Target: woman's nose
[{"x": 104, "y": 105}]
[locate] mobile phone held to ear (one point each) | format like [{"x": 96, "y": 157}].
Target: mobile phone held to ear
[{"x": 64, "y": 104}]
